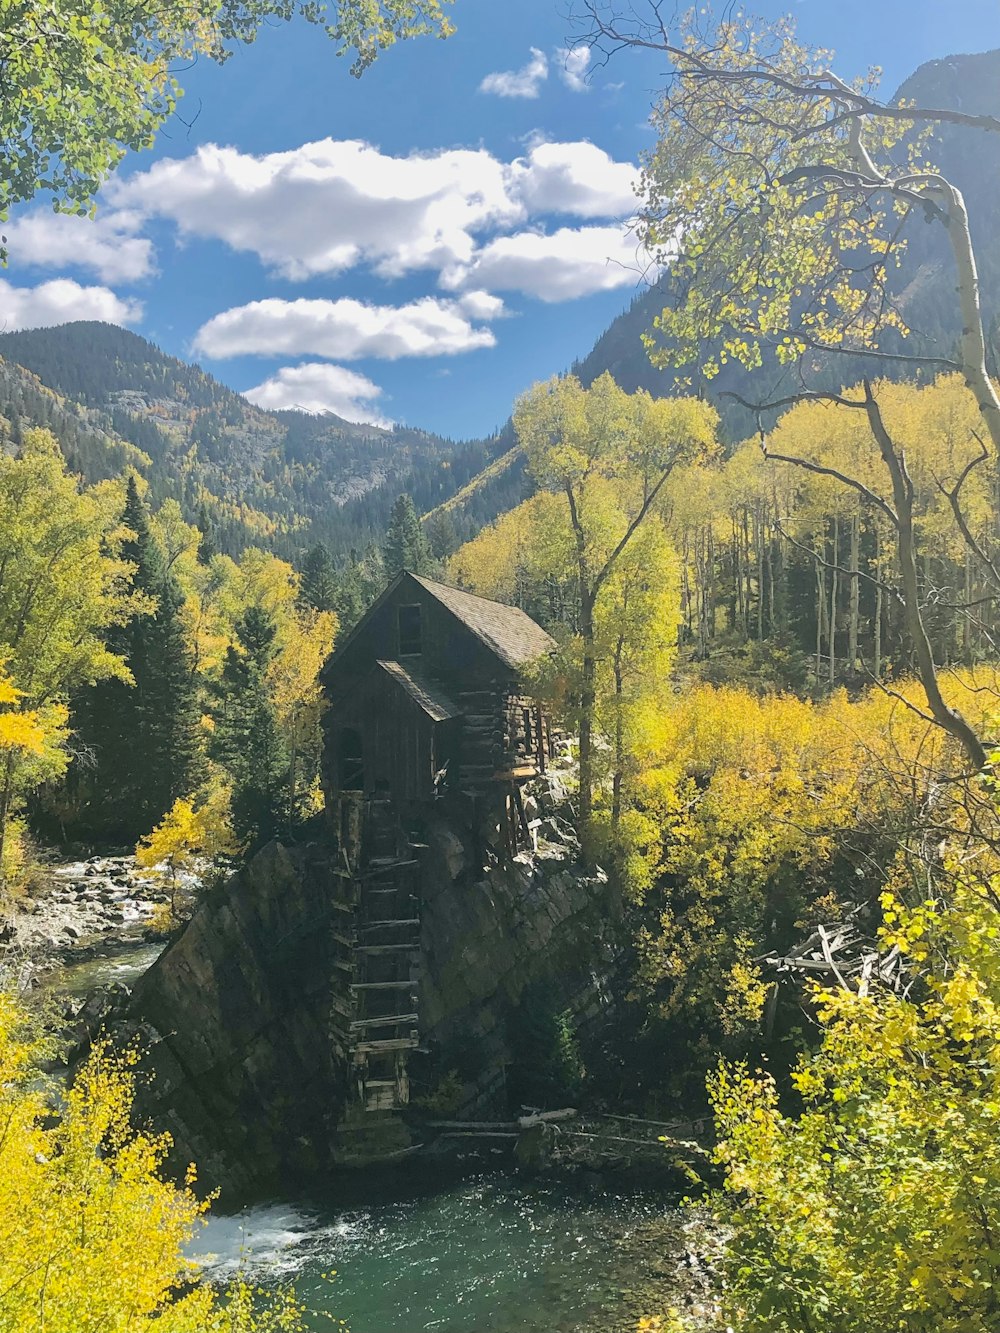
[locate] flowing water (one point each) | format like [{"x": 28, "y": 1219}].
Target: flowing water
[
  {"x": 123, "y": 966},
  {"x": 410, "y": 1252},
  {"x": 490, "y": 1254}
]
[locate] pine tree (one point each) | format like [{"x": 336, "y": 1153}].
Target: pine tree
[
  {"x": 141, "y": 740},
  {"x": 442, "y": 535},
  {"x": 247, "y": 741},
  {"x": 208, "y": 546},
  {"x": 319, "y": 583},
  {"x": 405, "y": 544}
]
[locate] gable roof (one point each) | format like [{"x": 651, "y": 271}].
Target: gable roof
[
  {"x": 506, "y": 630},
  {"x": 429, "y": 697}
]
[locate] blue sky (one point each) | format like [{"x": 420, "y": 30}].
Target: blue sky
[{"x": 418, "y": 246}]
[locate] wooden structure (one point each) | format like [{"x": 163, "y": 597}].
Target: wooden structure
[
  {"x": 425, "y": 704},
  {"x": 425, "y": 695}
]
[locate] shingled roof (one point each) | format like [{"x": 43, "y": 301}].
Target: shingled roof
[
  {"x": 506, "y": 630},
  {"x": 428, "y": 696}
]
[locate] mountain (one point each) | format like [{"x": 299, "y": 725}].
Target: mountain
[
  {"x": 925, "y": 288},
  {"x": 281, "y": 479},
  {"x": 288, "y": 479}
]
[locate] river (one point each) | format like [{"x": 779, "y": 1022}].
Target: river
[
  {"x": 488, "y": 1254},
  {"x": 408, "y": 1250}
]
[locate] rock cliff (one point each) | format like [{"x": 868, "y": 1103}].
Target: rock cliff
[{"x": 235, "y": 1016}]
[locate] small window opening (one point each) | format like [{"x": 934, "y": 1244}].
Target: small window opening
[
  {"x": 410, "y": 637},
  {"x": 526, "y": 715}
]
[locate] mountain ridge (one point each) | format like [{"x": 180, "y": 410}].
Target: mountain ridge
[
  {"x": 283, "y": 478},
  {"x": 289, "y": 478}
]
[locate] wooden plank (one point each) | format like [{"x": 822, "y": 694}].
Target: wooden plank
[
  {"x": 384, "y": 985},
  {"x": 511, "y": 774},
  {"x": 472, "y": 1124},
  {"x": 388, "y": 948},
  {"x": 388, "y": 1021},
  {"x": 386, "y": 1047},
  {"x": 381, "y": 925}
]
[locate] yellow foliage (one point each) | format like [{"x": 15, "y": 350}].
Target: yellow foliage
[
  {"x": 744, "y": 807},
  {"x": 189, "y": 831},
  {"x": 91, "y": 1238},
  {"x": 876, "y": 1206}
]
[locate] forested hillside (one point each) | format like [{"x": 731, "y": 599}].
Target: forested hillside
[{"x": 246, "y": 476}]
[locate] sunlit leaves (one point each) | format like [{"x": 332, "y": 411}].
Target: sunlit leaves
[
  {"x": 778, "y": 223},
  {"x": 80, "y": 85},
  {"x": 92, "y": 1238},
  {"x": 876, "y": 1206}
]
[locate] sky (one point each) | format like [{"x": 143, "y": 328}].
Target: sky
[{"x": 418, "y": 246}]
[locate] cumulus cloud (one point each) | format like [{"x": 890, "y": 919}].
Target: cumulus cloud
[
  {"x": 333, "y": 205},
  {"x": 318, "y": 388},
  {"x": 524, "y": 82},
  {"x": 577, "y": 178},
  {"x": 327, "y": 206},
  {"x": 480, "y": 305},
  {"x": 568, "y": 263},
  {"x": 342, "y": 330},
  {"x": 573, "y": 64},
  {"x": 62, "y": 301},
  {"x": 108, "y": 244}
]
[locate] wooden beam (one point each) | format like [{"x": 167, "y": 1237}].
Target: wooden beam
[{"x": 384, "y": 985}]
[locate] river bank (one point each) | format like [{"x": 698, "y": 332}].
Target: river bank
[
  {"x": 83, "y": 912},
  {"x": 439, "y": 1244}
]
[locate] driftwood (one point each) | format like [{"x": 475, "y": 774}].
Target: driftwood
[
  {"x": 844, "y": 955},
  {"x": 514, "y": 1126}
]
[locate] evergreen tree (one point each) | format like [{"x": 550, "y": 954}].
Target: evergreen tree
[
  {"x": 405, "y": 544},
  {"x": 247, "y": 741},
  {"x": 141, "y": 740},
  {"x": 358, "y": 584},
  {"x": 208, "y": 546},
  {"x": 319, "y": 583},
  {"x": 442, "y": 535}
]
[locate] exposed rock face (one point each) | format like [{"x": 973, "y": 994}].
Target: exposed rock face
[
  {"x": 486, "y": 940},
  {"x": 237, "y": 1011},
  {"x": 235, "y": 1015}
]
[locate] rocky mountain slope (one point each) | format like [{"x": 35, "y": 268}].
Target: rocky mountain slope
[
  {"x": 287, "y": 479},
  {"x": 281, "y": 479}
]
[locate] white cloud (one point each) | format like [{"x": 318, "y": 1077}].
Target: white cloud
[
  {"x": 568, "y": 263},
  {"x": 341, "y": 330},
  {"x": 573, "y": 64},
  {"x": 577, "y": 178},
  {"x": 333, "y": 205},
  {"x": 523, "y": 82},
  {"x": 318, "y": 388},
  {"x": 481, "y": 305},
  {"x": 107, "y": 244},
  {"x": 62, "y": 301},
  {"x": 328, "y": 206}
]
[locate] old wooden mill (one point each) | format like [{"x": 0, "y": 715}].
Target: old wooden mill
[{"x": 426, "y": 707}]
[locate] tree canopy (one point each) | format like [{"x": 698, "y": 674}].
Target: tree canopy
[{"x": 82, "y": 84}]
